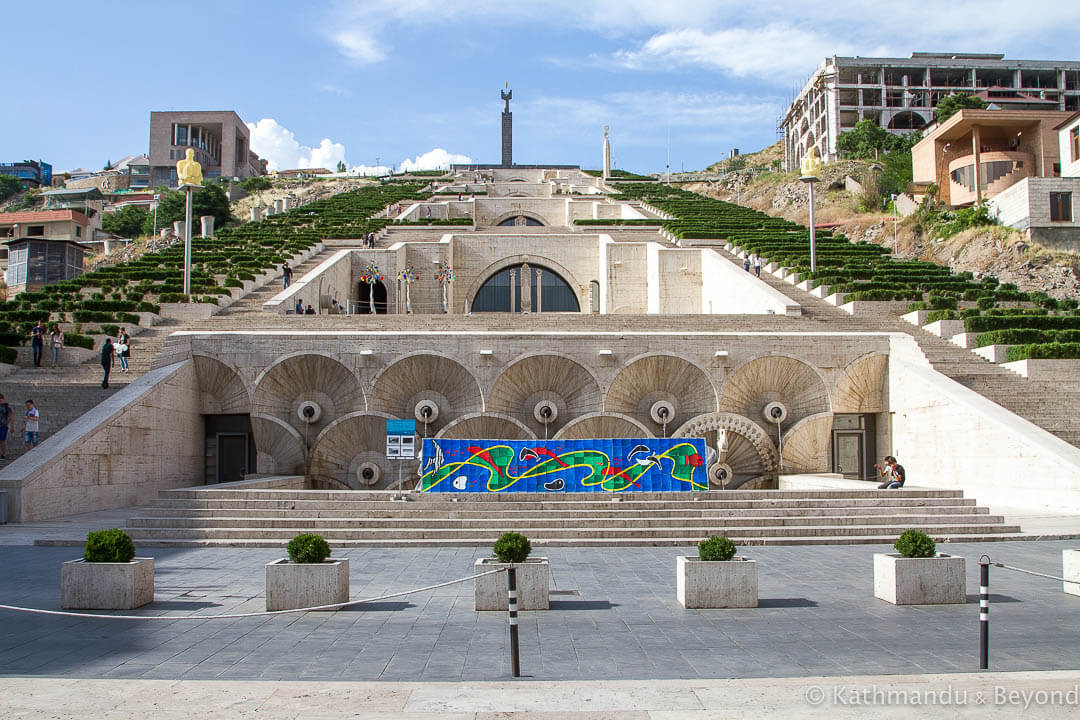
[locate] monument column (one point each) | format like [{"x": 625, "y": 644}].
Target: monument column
[
  {"x": 507, "y": 128},
  {"x": 526, "y": 288},
  {"x": 607, "y": 154},
  {"x": 539, "y": 291}
]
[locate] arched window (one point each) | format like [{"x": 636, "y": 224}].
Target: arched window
[
  {"x": 552, "y": 295},
  {"x": 520, "y": 220}
]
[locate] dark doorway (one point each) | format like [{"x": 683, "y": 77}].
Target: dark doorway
[
  {"x": 365, "y": 296},
  {"x": 230, "y": 448},
  {"x": 232, "y": 456}
]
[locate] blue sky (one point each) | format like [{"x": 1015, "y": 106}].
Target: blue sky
[{"x": 415, "y": 79}]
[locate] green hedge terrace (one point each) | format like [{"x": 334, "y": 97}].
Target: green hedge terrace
[
  {"x": 1043, "y": 351},
  {"x": 650, "y": 222},
  {"x": 863, "y": 271},
  {"x": 621, "y": 175},
  {"x": 436, "y": 221},
  {"x": 112, "y": 294}
]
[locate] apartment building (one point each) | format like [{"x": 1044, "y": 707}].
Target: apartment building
[
  {"x": 32, "y": 173},
  {"x": 220, "y": 139},
  {"x": 900, "y": 94}
]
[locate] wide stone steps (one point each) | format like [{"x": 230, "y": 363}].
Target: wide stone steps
[{"x": 268, "y": 517}]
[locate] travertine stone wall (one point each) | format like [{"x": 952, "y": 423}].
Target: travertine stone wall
[{"x": 146, "y": 437}]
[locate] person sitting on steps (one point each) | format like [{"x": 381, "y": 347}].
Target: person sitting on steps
[{"x": 895, "y": 473}]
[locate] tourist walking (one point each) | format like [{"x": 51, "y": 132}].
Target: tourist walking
[
  {"x": 286, "y": 275},
  {"x": 30, "y": 425},
  {"x": 757, "y": 264},
  {"x": 746, "y": 263},
  {"x": 7, "y": 420},
  {"x": 123, "y": 349},
  {"x": 56, "y": 342},
  {"x": 106, "y": 361},
  {"x": 37, "y": 341}
]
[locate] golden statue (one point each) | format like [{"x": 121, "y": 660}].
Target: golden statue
[
  {"x": 811, "y": 163},
  {"x": 189, "y": 171}
]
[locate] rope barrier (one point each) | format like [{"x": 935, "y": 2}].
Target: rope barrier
[
  {"x": 1032, "y": 572},
  {"x": 235, "y": 616}
]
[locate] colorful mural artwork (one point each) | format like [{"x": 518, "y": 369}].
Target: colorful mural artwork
[{"x": 595, "y": 465}]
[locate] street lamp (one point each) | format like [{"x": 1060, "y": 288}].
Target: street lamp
[
  {"x": 810, "y": 165},
  {"x": 895, "y": 246}
]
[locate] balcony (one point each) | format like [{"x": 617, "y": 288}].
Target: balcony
[{"x": 998, "y": 170}]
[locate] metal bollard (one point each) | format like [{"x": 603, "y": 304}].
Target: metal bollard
[
  {"x": 984, "y": 612},
  {"x": 511, "y": 584}
]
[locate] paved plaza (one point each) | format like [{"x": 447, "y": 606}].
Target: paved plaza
[{"x": 613, "y": 617}]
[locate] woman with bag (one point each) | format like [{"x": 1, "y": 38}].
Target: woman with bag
[{"x": 123, "y": 349}]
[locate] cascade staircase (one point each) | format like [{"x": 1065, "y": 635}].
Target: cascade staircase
[{"x": 271, "y": 517}]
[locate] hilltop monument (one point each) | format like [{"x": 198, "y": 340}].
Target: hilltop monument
[
  {"x": 607, "y": 154},
  {"x": 507, "y": 128}
]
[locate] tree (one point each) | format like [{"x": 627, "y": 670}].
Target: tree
[
  {"x": 128, "y": 222},
  {"x": 865, "y": 141},
  {"x": 9, "y": 185},
  {"x": 952, "y": 104},
  {"x": 255, "y": 183},
  {"x": 341, "y": 166},
  {"x": 211, "y": 200}
]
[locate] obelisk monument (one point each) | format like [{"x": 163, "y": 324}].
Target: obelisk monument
[
  {"x": 607, "y": 154},
  {"x": 507, "y": 128}
]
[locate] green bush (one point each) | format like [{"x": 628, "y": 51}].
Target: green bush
[
  {"x": 110, "y": 330},
  {"x": 512, "y": 547},
  {"x": 8, "y": 355},
  {"x": 985, "y": 302},
  {"x": 1043, "y": 351},
  {"x": 716, "y": 548},
  {"x": 935, "y": 315},
  {"x": 308, "y": 548},
  {"x": 76, "y": 340},
  {"x": 111, "y": 546},
  {"x": 915, "y": 544}
]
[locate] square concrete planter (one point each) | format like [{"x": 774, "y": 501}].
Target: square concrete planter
[
  {"x": 1070, "y": 566},
  {"x": 716, "y": 583},
  {"x": 292, "y": 585},
  {"x": 533, "y": 581},
  {"x": 937, "y": 580},
  {"x": 106, "y": 586}
]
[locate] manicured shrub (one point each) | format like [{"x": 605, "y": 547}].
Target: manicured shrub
[
  {"x": 935, "y": 315},
  {"x": 915, "y": 544},
  {"x": 1043, "y": 351},
  {"x": 512, "y": 547},
  {"x": 113, "y": 546},
  {"x": 985, "y": 302},
  {"x": 716, "y": 548},
  {"x": 76, "y": 340},
  {"x": 308, "y": 548},
  {"x": 8, "y": 355}
]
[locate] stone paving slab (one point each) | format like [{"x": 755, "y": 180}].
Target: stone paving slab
[
  {"x": 1050, "y": 695},
  {"x": 614, "y": 616}
]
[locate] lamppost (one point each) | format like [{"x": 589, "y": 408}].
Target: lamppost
[
  {"x": 895, "y": 246},
  {"x": 189, "y": 173},
  {"x": 810, "y": 165}
]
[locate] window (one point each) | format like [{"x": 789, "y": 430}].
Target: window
[
  {"x": 495, "y": 294},
  {"x": 1074, "y": 142},
  {"x": 35, "y": 231},
  {"x": 1061, "y": 207},
  {"x": 78, "y": 231}
]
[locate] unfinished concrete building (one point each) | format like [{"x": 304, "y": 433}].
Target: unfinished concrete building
[{"x": 900, "y": 94}]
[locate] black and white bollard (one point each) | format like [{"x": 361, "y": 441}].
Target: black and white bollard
[
  {"x": 511, "y": 584},
  {"x": 984, "y": 612}
]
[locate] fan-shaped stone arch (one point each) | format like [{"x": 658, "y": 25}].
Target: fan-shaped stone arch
[
  {"x": 530, "y": 216},
  {"x": 409, "y": 383},
  {"x": 308, "y": 378},
  {"x": 603, "y": 425},
  {"x": 545, "y": 379},
  {"x": 487, "y": 426},
  {"x": 864, "y": 386},
  {"x": 806, "y": 445},
  {"x": 774, "y": 378},
  {"x": 652, "y": 382},
  {"x": 221, "y": 389},
  {"x": 348, "y": 446},
  {"x": 737, "y": 445},
  {"x": 279, "y": 447}
]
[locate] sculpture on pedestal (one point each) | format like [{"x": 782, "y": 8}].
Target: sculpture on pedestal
[
  {"x": 444, "y": 275},
  {"x": 371, "y": 276},
  {"x": 407, "y": 277},
  {"x": 188, "y": 171}
]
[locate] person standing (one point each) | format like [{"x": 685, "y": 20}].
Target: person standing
[
  {"x": 757, "y": 264},
  {"x": 123, "y": 349},
  {"x": 106, "y": 361},
  {"x": 7, "y": 419},
  {"x": 286, "y": 275},
  {"x": 37, "y": 340},
  {"x": 746, "y": 263},
  {"x": 56, "y": 342},
  {"x": 30, "y": 427}
]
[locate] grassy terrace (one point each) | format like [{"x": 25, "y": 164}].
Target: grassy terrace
[
  {"x": 865, "y": 271},
  {"x": 113, "y": 294}
]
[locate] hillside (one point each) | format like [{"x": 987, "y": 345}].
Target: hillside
[{"x": 998, "y": 251}]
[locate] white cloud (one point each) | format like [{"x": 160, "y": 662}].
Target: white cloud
[
  {"x": 739, "y": 51},
  {"x": 282, "y": 151},
  {"x": 435, "y": 159},
  {"x": 370, "y": 170},
  {"x": 358, "y": 45}
]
